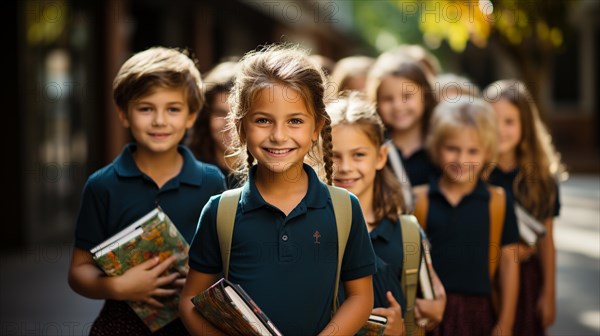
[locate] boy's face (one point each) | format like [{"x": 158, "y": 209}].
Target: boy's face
[
  {"x": 400, "y": 103},
  {"x": 158, "y": 121},
  {"x": 462, "y": 157}
]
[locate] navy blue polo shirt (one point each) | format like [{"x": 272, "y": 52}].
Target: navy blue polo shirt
[
  {"x": 460, "y": 237},
  {"x": 120, "y": 193},
  {"x": 287, "y": 264},
  {"x": 387, "y": 242},
  {"x": 506, "y": 180},
  {"x": 419, "y": 168}
]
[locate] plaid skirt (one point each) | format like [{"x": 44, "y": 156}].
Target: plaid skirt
[
  {"x": 527, "y": 319},
  {"x": 466, "y": 315},
  {"x": 117, "y": 318}
]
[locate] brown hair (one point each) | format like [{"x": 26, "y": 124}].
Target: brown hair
[
  {"x": 352, "y": 108},
  {"x": 349, "y": 67},
  {"x": 218, "y": 80},
  {"x": 390, "y": 64},
  {"x": 158, "y": 67},
  {"x": 535, "y": 152},
  {"x": 278, "y": 64}
]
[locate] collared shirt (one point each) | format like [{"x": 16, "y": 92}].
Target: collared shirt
[
  {"x": 120, "y": 193},
  {"x": 506, "y": 180},
  {"x": 419, "y": 168},
  {"x": 459, "y": 237},
  {"x": 287, "y": 264},
  {"x": 388, "y": 245}
]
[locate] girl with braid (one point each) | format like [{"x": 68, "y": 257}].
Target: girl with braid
[{"x": 284, "y": 246}]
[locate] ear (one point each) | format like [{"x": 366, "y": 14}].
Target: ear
[
  {"x": 191, "y": 120},
  {"x": 382, "y": 156},
  {"x": 123, "y": 117}
]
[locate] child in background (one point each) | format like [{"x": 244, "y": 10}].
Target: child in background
[
  {"x": 360, "y": 158},
  {"x": 209, "y": 140},
  {"x": 528, "y": 168},
  {"x": 284, "y": 245},
  {"x": 458, "y": 221},
  {"x": 450, "y": 87},
  {"x": 350, "y": 73},
  {"x": 417, "y": 53},
  {"x": 405, "y": 100},
  {"x": 158, "y": 96}
]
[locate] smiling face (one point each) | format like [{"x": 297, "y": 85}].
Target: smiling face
[
  {"x": 400, "y": 103},
  {"x": 279, "y": 129},
  {"x": 356, "y": 160},
  {"x": 158, "y": 121},
  {"x": 462, "y": 156},
  {"x": 509, "y": 126}
]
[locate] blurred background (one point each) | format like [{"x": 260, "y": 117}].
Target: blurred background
[{"x": 60, "y": 103}]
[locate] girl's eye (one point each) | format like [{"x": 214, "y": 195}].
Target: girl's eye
[
  {"x": 359, "y": 155},
  {"x": 144, "y": 109},
  {"x": 296, "y": 121},
  {"x": 261, "y": 121}
]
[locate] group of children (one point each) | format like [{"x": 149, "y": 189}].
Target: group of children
[{"x": 269, "y": 127}]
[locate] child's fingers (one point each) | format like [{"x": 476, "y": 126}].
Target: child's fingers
[
  {"x": 149, "y": 264},
  {"x": 382, "y": 312},
  {"x": 180, "y": 282},
  {"x": 392, "y": 300},
  {"x": 163, "y": 266},
  {"x": 164, "y": 292},
  {"x": 166, "y": 280}
]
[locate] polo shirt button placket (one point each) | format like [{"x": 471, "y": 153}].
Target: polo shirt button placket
[{"x": 284, "y": 237}]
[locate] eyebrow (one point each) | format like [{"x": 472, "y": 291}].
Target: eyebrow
[{"x": 291, "y": 115}]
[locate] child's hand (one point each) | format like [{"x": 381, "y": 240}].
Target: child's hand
[
  {"x": 142, "y": 282},
  {"x": 546, "y": 307},
  {"x": 524, "y": 251},
  {"x": 395, "y": 322}
]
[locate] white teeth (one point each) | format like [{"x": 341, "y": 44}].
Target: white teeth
[{"x": 278, "y": 151}]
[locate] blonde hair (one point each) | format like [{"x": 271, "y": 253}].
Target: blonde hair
[
  {"x": 348, "y": 67},
  {"x": 158, "y": 67},
  {"x": 535, "y": 152},
  {"x": 461, "y": 84},
  {"x": 278, "y": 64},
  {"x": 352, "y": 108},
  {"x": 450, "y": 118}
]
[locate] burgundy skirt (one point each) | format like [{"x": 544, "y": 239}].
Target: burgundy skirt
[
  {"x": 527, "y": 319},
  {"x": 466, "y": 315},
  {"x": 117, "y": 318}
]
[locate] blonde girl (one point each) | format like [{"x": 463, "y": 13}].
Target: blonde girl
[
  {"x": 284, "y": 246},
  {"x": 458, "y": 222}
]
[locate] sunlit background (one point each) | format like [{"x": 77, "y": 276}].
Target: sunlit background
[{"x": 69, "y": 51}]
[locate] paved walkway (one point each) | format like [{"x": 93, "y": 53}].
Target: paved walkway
[{"x": 36, "y": 300}]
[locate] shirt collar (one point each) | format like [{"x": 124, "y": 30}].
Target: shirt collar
[
  {"x": 316, "y": 196},
  {"x": 480, "y": 190},
  {"x": 383, "y": 230},
  {"x": 125, "y": 165}
]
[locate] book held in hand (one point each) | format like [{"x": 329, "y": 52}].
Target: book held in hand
[
  {"x": 530, "y": 229},
  {"x": 375, "y": 326},
  {"x": 426, "y": 289},
  {"x": 230, "y": 309},
  {"x": 150, "y": 236}
]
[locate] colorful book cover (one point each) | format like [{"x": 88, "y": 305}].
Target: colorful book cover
[
  {"x": 150, "y": 236},
  {"x": 375, "y": 326},
  {"x": 230, "y": 309}
]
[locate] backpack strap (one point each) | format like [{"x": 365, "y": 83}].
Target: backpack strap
[
  {"x": 342, "y": 208},
  {"x": 421, "y": 204},
  {"x": 401, "y": 175},
  {"x": 225, "y": 221},
  {"x": 497, "y": 214},
  {"x": 411, "y": 239}
]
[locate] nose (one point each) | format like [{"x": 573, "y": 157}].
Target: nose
[
  {"x": 343, "y": 165},
  {"x": 278, "y": 133},
  {"x": 159, "y": 118}
]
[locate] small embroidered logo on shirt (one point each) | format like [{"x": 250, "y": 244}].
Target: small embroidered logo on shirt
[{"x": 317, "y": 235}]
